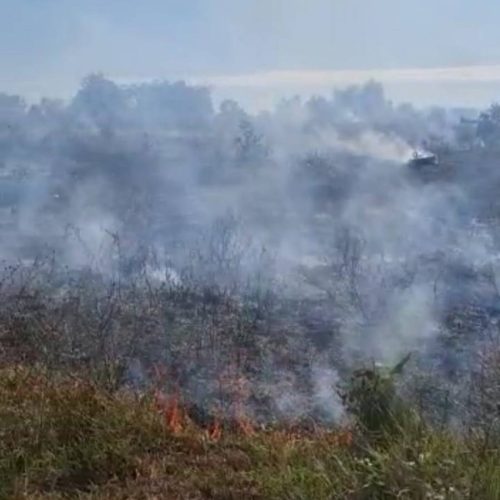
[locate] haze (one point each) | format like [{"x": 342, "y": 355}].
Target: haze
[{"x": 297, "y": 46}]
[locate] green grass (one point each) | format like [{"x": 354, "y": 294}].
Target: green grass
[{"x": 63, "y": 437}]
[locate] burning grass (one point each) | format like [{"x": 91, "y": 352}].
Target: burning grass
[{"x": 62, "y": 436}]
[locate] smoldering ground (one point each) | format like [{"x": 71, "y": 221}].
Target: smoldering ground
[{"x": 289, "y": 246}]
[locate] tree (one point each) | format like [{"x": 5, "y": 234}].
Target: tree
[
  {"x": 488, "y": 128},
  {"x": 100, "y": 101},
  {"x": 249, "y": 144}
]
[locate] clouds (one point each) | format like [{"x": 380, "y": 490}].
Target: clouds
[
  {"x": 305, "y": 78},
  {"x": 474, "y": 85}
]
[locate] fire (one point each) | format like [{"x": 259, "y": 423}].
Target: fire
[
  {"x": 177, "y": 420},
  {"x": 172, "y": 411},
  {"x": 236, "y": 390},
  {"x": 169, "y": 406},
  {"x": 174, "y": 416}
]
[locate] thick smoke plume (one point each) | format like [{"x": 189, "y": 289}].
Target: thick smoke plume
[{"x": 308, "y": 218}]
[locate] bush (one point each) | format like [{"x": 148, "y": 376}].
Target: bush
[{"x": 373, "y": 401}]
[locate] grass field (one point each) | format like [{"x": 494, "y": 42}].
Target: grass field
[{"x": 64, "y": 437}]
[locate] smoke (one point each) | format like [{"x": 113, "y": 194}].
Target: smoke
[{"x": 313, "y": 200}]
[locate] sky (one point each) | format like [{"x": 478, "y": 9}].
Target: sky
[{"x": 256, "y": 50}]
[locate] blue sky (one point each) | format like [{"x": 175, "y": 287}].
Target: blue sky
[{"x": 46, "y": 46}]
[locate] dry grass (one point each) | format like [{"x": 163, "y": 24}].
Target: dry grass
[{"x": 64, "y": 437}]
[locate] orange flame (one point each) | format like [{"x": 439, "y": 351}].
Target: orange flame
[
  {"x": 234, "y": 387},
  {"x": 171, "y": 410},
  {"x": 174, "y": 415}
]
